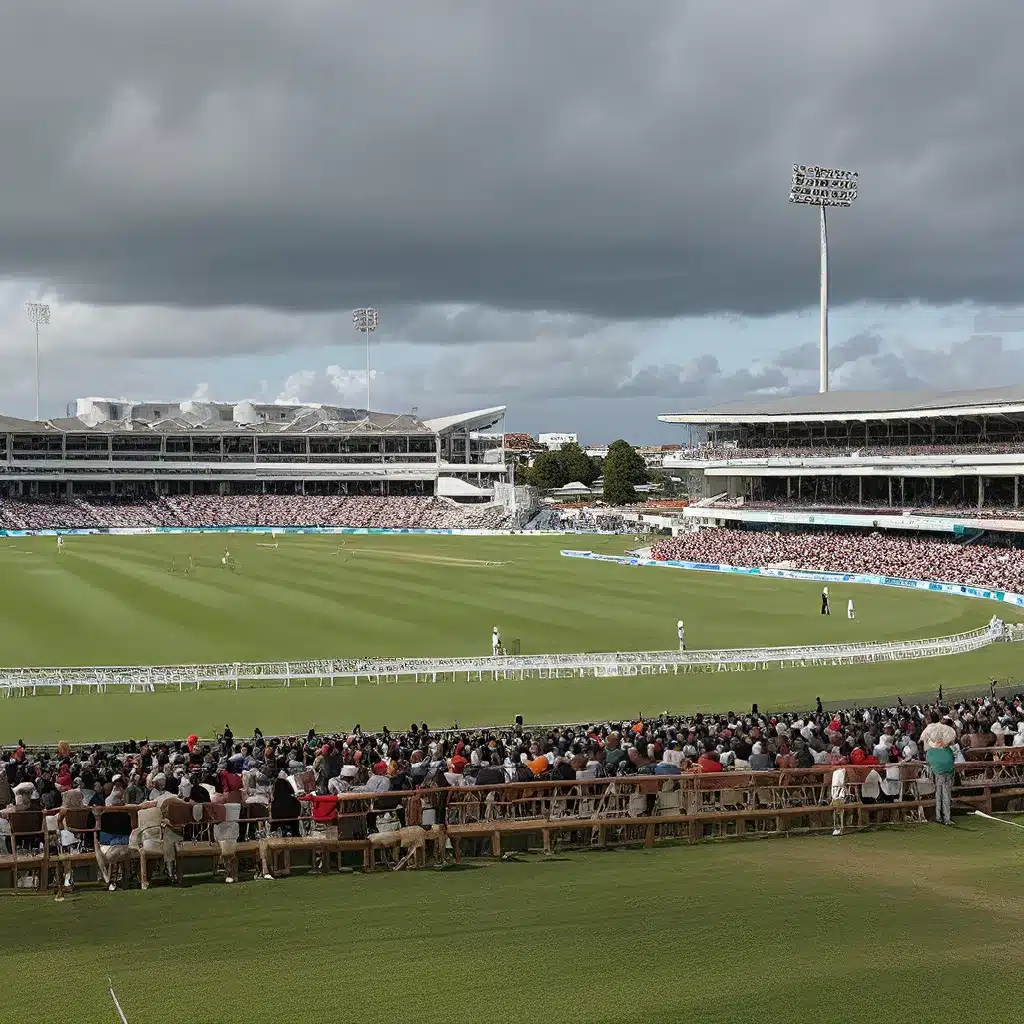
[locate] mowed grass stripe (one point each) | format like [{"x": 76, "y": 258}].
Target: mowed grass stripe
[
  {"x": 111, "y": 600},
  {"x": 167, "y": 615},
  {"x": 77, "y": 610}
]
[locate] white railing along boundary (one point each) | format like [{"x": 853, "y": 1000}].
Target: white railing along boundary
[{"x": 32, "y": 681}]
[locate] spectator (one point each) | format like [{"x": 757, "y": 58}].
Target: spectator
[{"x": 940, "y": 760}]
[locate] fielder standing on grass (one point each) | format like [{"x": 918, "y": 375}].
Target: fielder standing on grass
[
  {"x": 681, "y": 633},
  {"x": 849, "y": 609},
  {"x": 825, "y": 608},
  {"x": 495, "y": 642}
]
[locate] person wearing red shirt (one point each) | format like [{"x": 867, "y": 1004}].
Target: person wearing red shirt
[{"x": 709, "y": 762}]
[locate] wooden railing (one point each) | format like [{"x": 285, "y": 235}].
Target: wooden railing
[{"x": 485, "y": 820}]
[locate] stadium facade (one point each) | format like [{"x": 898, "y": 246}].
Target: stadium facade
[
  {"x": 144, "y": 450},
  {"x": 954, "y": 453}
]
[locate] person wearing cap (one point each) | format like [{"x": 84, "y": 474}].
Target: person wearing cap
[
  {"x": 116, "y": 797},
  {"x": 681, "y": 633},
  {"x": 345, "y": 781},
  {"x": 378, "y": 782},
  {"x": 157, "y": 786},
  {"x": 495, "y": 642},
  {"x": 825, "y": 607},
  {"x": 938, "y": 733}
]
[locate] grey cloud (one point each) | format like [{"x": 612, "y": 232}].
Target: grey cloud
[
  {"x": 993, "y": 321},
  {"x": 512, "y": 155},
  {"x": 800, "y": 357},
  {"x": 859, "y": 346},
  {"x": 704, "y": 380},
  {"x": 594, "y": 366},
  {"x": 806, "y": 356},
  {"x": 980, "y": 361},
  {"x": 183, "y": 333},
  {"x": 440, "y": 325},
  {"x": 788, "y": 372}
]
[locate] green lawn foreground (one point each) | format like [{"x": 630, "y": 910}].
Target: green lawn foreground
[
  {"x": 113, "y": 600},
  {"x": 921, "y": 921}
]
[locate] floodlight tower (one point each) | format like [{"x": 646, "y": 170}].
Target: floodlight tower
[
  {"x": 821, "y": 187},
  {"x": 38, "y": 313},
  {"x": 366, "y": 320}
]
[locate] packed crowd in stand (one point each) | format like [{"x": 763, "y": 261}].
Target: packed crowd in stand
[
  {"x": 588, "y": 521},
  {"x": 393, "y": 512},
  {"x": 718, "y": 452},
  {"x": 941, "y": 510},
  {"x": 877, "y": 554},
  {"x": 284, "y": 779}
]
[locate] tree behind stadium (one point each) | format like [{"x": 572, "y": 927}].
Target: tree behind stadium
[
  {"x": 567, "y": 465},
  {"x": 623, "y": 470},
  {"x": 579, "y": 467},
  {"x": 548, "y": 471}
]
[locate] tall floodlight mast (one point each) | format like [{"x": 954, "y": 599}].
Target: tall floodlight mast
[
  {"x": 38, "y": 313},
  {"x": 821, "y": 187},
  {"x": 367, "y": 321}
]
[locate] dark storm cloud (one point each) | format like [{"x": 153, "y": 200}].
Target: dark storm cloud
[{"x": 628, "y": 163}]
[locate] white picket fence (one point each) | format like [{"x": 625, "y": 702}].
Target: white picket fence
[{"x": 142, "y": 679}]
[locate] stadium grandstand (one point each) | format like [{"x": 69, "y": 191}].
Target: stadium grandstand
[
  {"x": 117, "y": 463},
  {"x": 917, "y": 456}
]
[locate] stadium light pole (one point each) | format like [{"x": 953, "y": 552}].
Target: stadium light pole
[
  {"x": 821, "y": 187},
  {"x": 38, "y": 313},
  {"x": 366, "y": 320}
]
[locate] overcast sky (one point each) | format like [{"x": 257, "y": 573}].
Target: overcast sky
[{"x": 577, "y": 210}]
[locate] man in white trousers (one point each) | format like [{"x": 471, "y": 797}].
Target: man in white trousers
[
  {"x": 849, "y": 609},
  {"x": 495, "y": 642},
  {"x": 681, "y": 633}
]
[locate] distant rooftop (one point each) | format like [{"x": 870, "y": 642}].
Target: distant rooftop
[{"x": 845, "y": 405}]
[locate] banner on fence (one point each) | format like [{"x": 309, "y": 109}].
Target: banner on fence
[{"x": 958, "y": 589}]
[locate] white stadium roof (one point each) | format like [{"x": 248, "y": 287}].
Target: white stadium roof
[
  {"x": 839, "y": 406},
  {"x": 105, "y": 415}
]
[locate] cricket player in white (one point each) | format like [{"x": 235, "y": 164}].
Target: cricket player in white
[
  {"x": 60, "y": 545},
  {"x": 826, "y": 608},
  {"x": 681, "y": 633},
  {"x": 849, "y": 609},
  {"x": 495, "y": 642}
]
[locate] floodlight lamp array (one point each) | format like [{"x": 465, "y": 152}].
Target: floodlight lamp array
[
  {"x": 823, "y": 186},
  {"x": 38, "y": 312},
  {"x": 365, "y": 319}
]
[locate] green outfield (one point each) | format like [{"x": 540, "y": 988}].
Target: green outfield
[
  {"x": 797, "y": 929},
  {"x": 127, "y": 600},
  {"x": 810, "y": 929}
]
